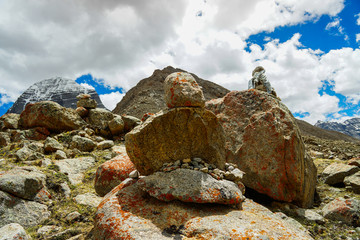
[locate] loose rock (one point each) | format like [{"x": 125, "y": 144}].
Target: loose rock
[
  {"x": 336, "y": 172},
  {"x": 345, "y": 210},
  {"x": 181, "y": 90},
  {"x": 74, "y": 168},
  {"x": 13, "y": 231}
]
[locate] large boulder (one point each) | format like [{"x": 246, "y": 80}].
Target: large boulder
[
  {"x": 182, "y": 90},
  {"x": 176, "y": 134},
  {"x": 51, "y": 116},
  {"x": 191, "y": 186},
  {"x": 127, "y": 212},
  {"x": 263, "y": 139},
  {"x": 112, "y": 173}
]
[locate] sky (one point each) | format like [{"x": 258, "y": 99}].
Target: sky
[{"x": 309, "y": 48}]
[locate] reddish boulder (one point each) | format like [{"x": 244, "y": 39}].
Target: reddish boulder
[
  {"x": 263, "y": 139},
  {"x": 51, "y": 116},
  {"x": 112, "y": 173},
  {"x": 127, "y": 212}
]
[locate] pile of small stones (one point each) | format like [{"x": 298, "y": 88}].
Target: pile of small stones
[{"x": 231, "y": 173}]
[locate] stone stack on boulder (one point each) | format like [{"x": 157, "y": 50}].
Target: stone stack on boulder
[
  {"x": 263, "y": 139},
  {"x": 183, "y": 131},
  {"x": 188, "y": 187}
]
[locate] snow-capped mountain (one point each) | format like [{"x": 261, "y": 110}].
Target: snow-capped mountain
[
  {"x": 350, "y": 127},
  {"x": 60, "y": 90}
]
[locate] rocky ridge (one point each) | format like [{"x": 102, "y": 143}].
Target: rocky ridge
[{"x": 60, "y": 90}]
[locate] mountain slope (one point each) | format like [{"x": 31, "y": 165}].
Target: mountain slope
[
  {"x": 350, "y": 127},
  {"x": 60, "y": 90},
  {"x": 148, "y": 94}
]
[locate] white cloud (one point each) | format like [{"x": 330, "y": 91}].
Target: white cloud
[
  {"x": 124, "y": 41},
  {"x": 334, "y": 24},
  {"x": 110, "y": 100},
  {"x": 357, "y": 36},
  {"x": 358, "y": 19},
  {"x": 87, "y": 86}
]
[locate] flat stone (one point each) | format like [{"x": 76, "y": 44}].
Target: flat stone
[
  {"x": 88, "y": 199},
  {"x": 59, "y": 154},
  {"x": 74, "y": 168},
  {"x": 13, "y": 231},
  {"x": 336, "y": 172},
  {"x": 105, "y": 144},
  {"x": 22, "y": 182},
  {"x": 191, "y": 186},
  {"x": 17, "y": 210}
]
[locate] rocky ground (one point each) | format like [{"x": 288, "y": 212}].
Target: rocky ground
[{"x": 70, "y": 210}]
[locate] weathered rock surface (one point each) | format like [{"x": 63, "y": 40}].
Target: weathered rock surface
[
  {"x": 74, "y": 168},
  {"x": 22, "y": 182},
  {"x": 128, "y": 213},
  {"x": 51, "y": 116},
  {"x": 99, "y": 118},
  {"x": 106, "y": 144},
  {"x": 353, "y": 181},
  {"x": 181, "y": 90},
  {"x": 13, "y": 231},
  {"x": 336, "y": 172},
  {"x": 51, "y": 145},
  {"x": 116, "y": 125},
  {"x": 191, "y": 186},
  {"x": 87, "y": 103},
  {"x": 88, "y": 199},
  {"x": 130, "y": 122},
  {"x": 262, "y": 138},
  {"x": 17, "y": 210},
  {"x": 112, "y": 173},
  {"x": 9, "y": 121},
  {"x": 176, "y": 134},
  {"x": 345, "y": 210},
  {"x": 83, "y": 143},
  {"x": 4, "y": 139}
]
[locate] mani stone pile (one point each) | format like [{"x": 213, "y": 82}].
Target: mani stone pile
[{"x": 183, "y": 159}]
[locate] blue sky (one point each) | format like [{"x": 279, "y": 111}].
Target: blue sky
[{"x": 309, "y": 48}]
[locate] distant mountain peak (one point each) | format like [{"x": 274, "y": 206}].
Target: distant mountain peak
[
  {"x": 56, "y": 89},
  {"x": 350, "y": 127}
]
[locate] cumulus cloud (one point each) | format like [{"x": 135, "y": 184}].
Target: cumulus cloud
[
  {"x": 122, "y": 42},
  {"x": 111, "y": 100},
  {"x": 358, "y": 18},
  {"x": 357, "y": 36}
]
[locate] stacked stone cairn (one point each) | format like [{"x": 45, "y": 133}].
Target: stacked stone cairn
[
  {"x": 84, "y": 104},
  {"x": 181, "y": 149}
]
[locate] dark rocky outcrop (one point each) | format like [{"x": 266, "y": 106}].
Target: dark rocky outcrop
[{"x": 60, "y": 90}]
